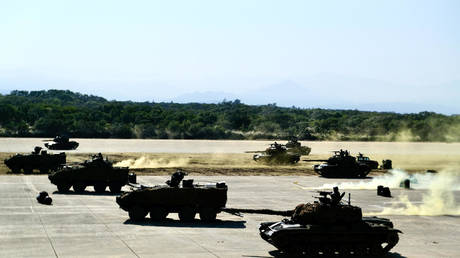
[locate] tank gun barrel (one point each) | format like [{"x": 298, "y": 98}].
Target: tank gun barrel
[{"x": 237, "y": 212}]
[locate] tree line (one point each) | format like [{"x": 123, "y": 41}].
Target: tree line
[{"x": 52, "y": 112}]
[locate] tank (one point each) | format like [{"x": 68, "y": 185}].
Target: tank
[
  {"x": 277, "y": 154},
  {"x": 343, "y": 165},
  {"x": 97, "y": 172},
  {"x": 176, "y": 196},
  {"x": 371, "y": 163},
  {"x": 330, "y": 228},
  {"x": 294, "y": 146},
  {"x": 37, "y": 160},
  {"x": 61, "y": 143}
]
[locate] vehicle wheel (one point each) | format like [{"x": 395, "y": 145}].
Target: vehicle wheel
[
  {"x": 62, "y": 188},
  {"x": 376, "y": 250},
  {"x": 115, "y": 188},
  {"x": 16, "y": 169},
  {"x": 208, "y": 214},
  {"x": 79, "y": 187},
  {"x": 100, "y": 188},
  {"x": 137, "y": 213},
  {"x": 158, "y": 213},
  {"x": 44, "y": 170},
  {"x": 28, "y": 170},
  {"x": 187, "y": 214}
]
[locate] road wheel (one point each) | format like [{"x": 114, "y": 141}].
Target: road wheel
[
  {"x": 100, "y": 187},
  {"x": 79, "y": 187},
  {"x": 115, "y": 188},
  {"x": 28, "y": 170},
  {"x": 62, "y": 188},
  {"x": 208, "y": 214},
  {"x": 187, "y": 214},
  {"x": 16, "y": 169},
  {"x": 137, "y": 213},
  {"x": 158, "y": 213}
]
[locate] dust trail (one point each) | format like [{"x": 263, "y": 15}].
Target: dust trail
[
  {"x": 438, "y": 201},
  {"x": 146, "y": 162},
  {"x": 393, "y": 179}
]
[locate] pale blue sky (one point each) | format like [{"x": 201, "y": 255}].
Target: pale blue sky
[{"x": 144, "y": 50}]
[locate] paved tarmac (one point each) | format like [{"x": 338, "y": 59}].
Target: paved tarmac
[{"x": 92, "y": 225}]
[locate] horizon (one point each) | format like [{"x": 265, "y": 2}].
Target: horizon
[{"x": 388, "y": 57}]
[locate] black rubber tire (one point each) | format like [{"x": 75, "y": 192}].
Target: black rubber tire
[
  {"x": 63, "y": 188},
  {"x": 115, "y": 188},
  {"x": 187, "y": 214},
  {"x": 79, "y": 187},
  {"x": 137, "y": 213},
  {"x": 158, "y": 213},
  {"x": 28, "y": 170},
  {"x": 208, "y": 214},
  {"x": 100, "y": 187}
]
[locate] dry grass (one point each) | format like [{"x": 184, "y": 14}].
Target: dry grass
[{"x": 242, "y": 164}]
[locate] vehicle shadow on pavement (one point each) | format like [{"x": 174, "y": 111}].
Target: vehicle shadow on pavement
[
  {"x": 193, "y": 224},
  {"x": 278, "y": 254},
  {"x": 87, "y": 193}
]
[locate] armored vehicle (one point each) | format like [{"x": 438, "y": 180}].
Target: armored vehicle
[
  {"x": 371, "y": 163},
  {"x": 97, "y": 172},
  {"x": 277, "y": 154},
  {"x": 294, "y": 146},
  {"x": 38, "y": 159},
  {"x": 187, "y": 199},
  {"x": 61, "y": 143},
  {"x": 342, "y": 164},
  {"x": 330, "y": 228}
]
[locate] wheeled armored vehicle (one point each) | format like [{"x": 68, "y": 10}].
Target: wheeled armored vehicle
[
  {"x": 342, "y": 164},
  {"x": 39, "y": 159},
  {"x": 61, "y": 143},
  {"x": 329, "y": 228},
  {"x": 97, "y": 172},
  {"x": 177, "y": 196}
]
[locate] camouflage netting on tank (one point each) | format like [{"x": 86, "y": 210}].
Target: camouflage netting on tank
[{"x": 315, "y": 213}]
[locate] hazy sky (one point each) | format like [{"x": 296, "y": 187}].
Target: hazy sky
[{"x": 144, "y": 50}]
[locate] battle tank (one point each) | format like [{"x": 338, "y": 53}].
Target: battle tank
[
  {"x": 341, "y": 164},
  {"x": 97, "y": 172},
  {"x": 277, "y": 154},
  {"x": 187, "y": 199},
  {"x": 61, "y": 143},
  {"x": 330, "y": 228},
  {"x": 294, "y": 146},
  {"x": 371, "y": 163},
  {"x": 38, "y": 159}
]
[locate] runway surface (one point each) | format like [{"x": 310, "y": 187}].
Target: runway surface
[{"x": 93, "y": 225}]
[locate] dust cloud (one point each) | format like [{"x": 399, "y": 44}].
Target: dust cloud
[{"x": 146, "y": 162}]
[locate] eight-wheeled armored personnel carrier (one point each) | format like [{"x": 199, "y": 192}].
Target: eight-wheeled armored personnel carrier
[
  {"x": 61, "y": 143},
  {"x": 38, "y": 159},
  {"x": 342, "y": 164},
  {"x": 277, "y": 154},
  {"x": 97, "y": 172},
  {"x": 329, "y": 228},
  {"x": 371, "y": 163},
  {"x": 186, "y": 198}
]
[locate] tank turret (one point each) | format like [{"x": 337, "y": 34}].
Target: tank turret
[{"x": 328, "y": 227}]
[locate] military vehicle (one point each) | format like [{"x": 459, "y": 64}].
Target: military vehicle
[
  {"x": 341, "y": 164},
  {"x": 97, "y": 172},
  {"x": 187, "y": 199},
  {"x": 61, "y": 143},
  {"x": 371, "y": 163},
  {"x": 330, "y": 228},
  {"x": 276, "y": 154},
  {"x": 294, "y": 146},
  {"x": 38, "y": 159}
]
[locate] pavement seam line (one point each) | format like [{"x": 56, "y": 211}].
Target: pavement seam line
[
  {"x": 113, "y": 232},
  {"x": 29, "y": 184}
]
